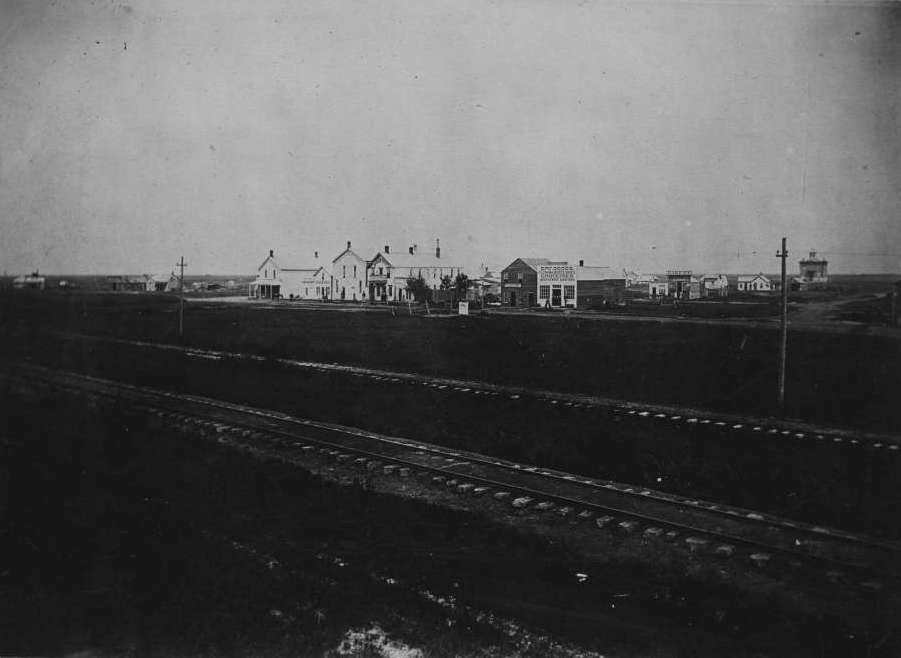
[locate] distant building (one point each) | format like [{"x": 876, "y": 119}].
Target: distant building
[
  {"x": 388, "y": 272},
  {"x": 683, "y": 285},
  {"x": 599, "y": 286},
  {"x": 276, "y": 282},
  {"x": 813, "y": 272},
  {"x": 488, "y": 283},
  {"x": 557, "y": 284},
  {"x": 33, "y": 281},
  {"x": 714, "y": 285},
  {"x": 349, "y": 275},
  {"x": 754, "y": 283},
  {"x": 131, "y": 283},
  {"x": 658, "y": 288},
  {"x": 519, "y": 281},
  {"x": 164, "y": 283},
  {"x": 538, "y": 281}
]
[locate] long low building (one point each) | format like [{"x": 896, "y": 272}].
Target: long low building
[
  {"x": 388, "y": 272},
  {"x": 276, "y": 282},
  {"x": 599, "y": 286}
]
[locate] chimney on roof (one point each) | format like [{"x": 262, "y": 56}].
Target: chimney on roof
[
  {"x": 315, "y": 254},
  {"x": 581, "y": 263},
  {"x": 411, "y": 251},
  {"x": 437, "y": 248},
  {"x": 348, "y": 244},
  {"x": 813, "y": 254},
  {"x": 387, "y": 249},
  {"x": 271, "y": 253}
]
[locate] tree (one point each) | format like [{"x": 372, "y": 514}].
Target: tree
[
  {"x": 446, "y": 282},
  {"x": 419, "y": 289},
  {"x": 461, "y": 285}
]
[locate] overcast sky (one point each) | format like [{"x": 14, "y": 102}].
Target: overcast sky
[{"x": 647, "y": 135}]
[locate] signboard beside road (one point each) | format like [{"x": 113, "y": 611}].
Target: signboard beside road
[{"x": 463, "y": 308}]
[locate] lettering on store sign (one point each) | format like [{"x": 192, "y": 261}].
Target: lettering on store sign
[{"x": 557, "y": 273}]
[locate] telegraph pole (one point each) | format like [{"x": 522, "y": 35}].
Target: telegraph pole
[
  {"x": 181, "y": 296},
  {"x": 783, "y": 330}
]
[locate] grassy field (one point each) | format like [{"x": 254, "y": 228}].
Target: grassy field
[{"x": 849, "y": 379}]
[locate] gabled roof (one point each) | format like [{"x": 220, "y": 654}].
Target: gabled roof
[
  {"x": 752, "y": 277},
  {"x": 266, "y": 260},
  {"x": 356, "y": 251},
  {"x": 290, "y": 258},
  {"x": 534, "y": 263}
]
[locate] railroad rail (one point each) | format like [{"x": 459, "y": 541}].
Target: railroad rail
[
  {"x": 852, "y": 559},
  {"x": 732, "y": 424}
]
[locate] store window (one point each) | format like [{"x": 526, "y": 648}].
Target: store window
[
  {"x": 569, "y": 292},
  {"x": 544, "y": 292}
]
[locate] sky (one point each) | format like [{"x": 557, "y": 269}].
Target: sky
[{"x": 642, "y": 135}]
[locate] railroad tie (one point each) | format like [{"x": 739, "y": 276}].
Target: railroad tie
[
  {"x": 695, "y": 543},
  {"x": 603, "y": 521},
  {"x": 760, "y": 559},
  {"x": 725, "y": 550}
]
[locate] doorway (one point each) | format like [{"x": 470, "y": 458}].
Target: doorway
[{"x": 555, "y": 296}]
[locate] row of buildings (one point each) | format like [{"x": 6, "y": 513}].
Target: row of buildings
[
  {"x": 547, "y": 283},
  {"x": 355, "y": 274}
]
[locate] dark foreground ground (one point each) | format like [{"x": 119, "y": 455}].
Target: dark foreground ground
[
  {"x": 842, "y": 485},
  {"x": 120, "y": 539}
]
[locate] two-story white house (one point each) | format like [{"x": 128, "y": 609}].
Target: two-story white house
[
  {"x": 389, "y": 272},
  {"x": 349, "y": 275}
]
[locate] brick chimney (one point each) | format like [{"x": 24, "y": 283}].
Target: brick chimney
[
  {"x": 271, "y": 253},
  {"x": 411, "y": 250},
  {"x": 437, "y": 248},
  {"x": 581, "y": 263},
  {"x": 348, "y": 244},
  {"x": 387, "y": 249},
  {"x": 315, "y": 254}
]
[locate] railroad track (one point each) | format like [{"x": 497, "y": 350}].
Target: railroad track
[
  {"x": 703, "y": 527},
  {"x": 731, "y": 424}
]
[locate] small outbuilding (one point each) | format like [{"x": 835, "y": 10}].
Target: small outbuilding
[{"x": 754, "y": 283}]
